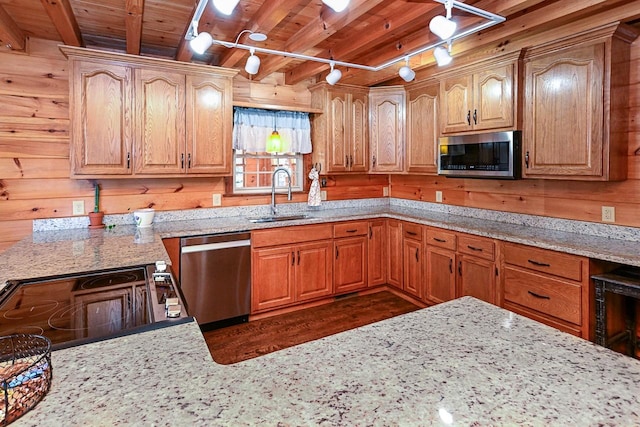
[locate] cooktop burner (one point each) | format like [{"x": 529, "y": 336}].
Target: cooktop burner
[{"x": 76, "y": 307}]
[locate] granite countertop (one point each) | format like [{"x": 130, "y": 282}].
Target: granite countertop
[
  {"x": 48, "y": 253},
  {"x": 464, "y": 362}
]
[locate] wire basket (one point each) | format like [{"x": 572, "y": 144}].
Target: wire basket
[{"x": 25, "y": 374}]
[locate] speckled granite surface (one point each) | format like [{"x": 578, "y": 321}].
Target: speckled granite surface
[
  {"x": 460, "y": 363},
  {"x": 55, "y": 250}
]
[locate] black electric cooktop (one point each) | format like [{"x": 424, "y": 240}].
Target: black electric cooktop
[{"x": 78, "y": 308}]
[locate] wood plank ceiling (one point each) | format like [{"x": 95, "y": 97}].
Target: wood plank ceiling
[{"x": 369, "y": 32}]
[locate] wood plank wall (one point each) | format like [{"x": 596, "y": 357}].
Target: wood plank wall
[
  {"x": 34, "y": 156},
  {"x": 560, "y": 199}
]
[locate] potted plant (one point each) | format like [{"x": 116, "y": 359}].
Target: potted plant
[{"x": 95, "y": 217}]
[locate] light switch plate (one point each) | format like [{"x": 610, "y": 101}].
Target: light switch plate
[
  {"x": 78, "y": 207},
  {"x": 217, "y": 200}
]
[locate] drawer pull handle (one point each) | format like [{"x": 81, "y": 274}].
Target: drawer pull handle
[
  {"x": 440, "y": 240},
  {"x": 539, "y": 264},
  {"x": 411, "y": 233},
  {"x": 352, "y": 231},
  {"x": 538, "y": 295},
  {"x": 473, "y": 248}
]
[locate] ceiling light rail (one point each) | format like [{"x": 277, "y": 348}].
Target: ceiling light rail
[{"x": 193, "y": 36}]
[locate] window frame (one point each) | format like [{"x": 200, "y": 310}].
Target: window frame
[{"x": 299, "y": 178}]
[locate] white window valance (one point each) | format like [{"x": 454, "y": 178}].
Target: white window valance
[{"x": 253, "y": 126}]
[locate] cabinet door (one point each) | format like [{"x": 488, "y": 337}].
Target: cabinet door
[
  {"x": 441, "y": 275},
  {"x": 208, "y": 125},
  {"x": 387, "y": 129},
  {"x": 563, "y": 113},
  {"x": 456, "y": 96},
  {"x": 422, "y": 130},
  {"x": 272, "y": 277},
  {"x": 377, "y": 260},
  {"x": 350, "y": 264},
  {"x": 338, "y": 130},
  {"x": 103, "y": 313},
  {"x": 413, "y": 272},
  {"x": 101, "y": 125},
  {"x": 359, "y": 133},
  {"x": 160, "y": 99},
  {"x": 493, "y": 98},
  {"x": 313, "y": 270},
  {"x": 394, "y": 251},
  {"x": 477, "y": 278}
]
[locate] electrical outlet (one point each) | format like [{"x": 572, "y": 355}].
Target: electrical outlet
[
  {"x": 608, "y": 214},
  {"x": 78, "y": 207},
  {"x": 323, "y": 195},
  {"x": 439, "y": 196},
  {"x": 385, "y": 191},
  {"x": 217, "y": 200}
]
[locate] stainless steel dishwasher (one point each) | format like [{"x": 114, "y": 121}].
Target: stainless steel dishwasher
[{"x": 215, "y": 277}]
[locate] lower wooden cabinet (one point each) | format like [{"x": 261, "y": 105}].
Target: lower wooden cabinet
[
  {"x": 413, "y": 259},
  {"x": 441, "y": 275},
  {"x": 377, "y": 248},
  {"x": 350, "y": 260},
  {"x": 477, "y": 270}
]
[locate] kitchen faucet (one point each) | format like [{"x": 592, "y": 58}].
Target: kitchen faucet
[{"x": 274, "y": 210}]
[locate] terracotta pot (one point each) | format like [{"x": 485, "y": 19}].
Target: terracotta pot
[{"x": 95, "y": 219}]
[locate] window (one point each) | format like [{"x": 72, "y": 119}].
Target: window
[{"x": 253, "y": 171}]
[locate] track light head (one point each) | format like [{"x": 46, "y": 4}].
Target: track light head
[
  {"x": 225, "y": 6},
  {"x": 334, "y": 76},
  {"x": 442, "y": 27},
  {"x": 337, "y": 5},
  {"x": 406, "y": 72},
  {"x": 253, "y": 63},
  {"x": 442, "y": 56},
  {"x": 201, "y": 42}
]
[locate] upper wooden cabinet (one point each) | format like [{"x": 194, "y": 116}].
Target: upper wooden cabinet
[
  {"x": 575, "y": 117},
  {"x": 421, "y": 154},
  {"x": 340, "y": 133},
  {"x": 387, "y": 116},
  {"x": 480, "y": 97},
  {"x": 147, "y": 117}
]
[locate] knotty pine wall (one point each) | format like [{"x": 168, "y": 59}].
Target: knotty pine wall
[
  {"x": 560, "y": 199},
  {"x": 34, "y": 156}
]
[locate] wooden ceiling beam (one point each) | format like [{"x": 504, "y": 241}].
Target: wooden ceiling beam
[
  {"x": 553, "y": 16},
  {"x": 62, "y": 17},
  {"x": 10, "y": 33},
  {"x": 319, "y": 29},
  {"x": 133, "y": 23},
  {"x": 383, "y": 28},
  {"x": 270, "y": 14}
]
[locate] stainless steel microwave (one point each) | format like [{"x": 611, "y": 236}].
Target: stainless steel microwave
[{"x": 484, "y": 155}]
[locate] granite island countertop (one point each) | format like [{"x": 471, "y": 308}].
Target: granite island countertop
[
  {"x": 48, "y": 253},
  {"x": 464, "y": 362}
]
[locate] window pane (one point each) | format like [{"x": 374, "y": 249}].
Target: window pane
[{"x": 253, "y": 171}]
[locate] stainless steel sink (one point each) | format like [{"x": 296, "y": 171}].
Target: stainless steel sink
[{"x": 275, "y": 218}]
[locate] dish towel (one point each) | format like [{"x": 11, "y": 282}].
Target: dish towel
[{"x": 314, "y": 190}]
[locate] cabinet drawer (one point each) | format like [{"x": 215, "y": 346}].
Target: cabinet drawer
[
  {"x": 412, "y": 231},
  {"x": 354, "y": 228},
  {"x": 476, "y": 246},
  {"x": 441, "y": 239},
  {"x": 551, "y": 262},
  {"x": 290, "y": 235},
  {"x": 552, "y": 297}
]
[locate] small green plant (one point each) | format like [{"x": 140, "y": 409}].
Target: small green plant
[{"x": 96, "y": 201}]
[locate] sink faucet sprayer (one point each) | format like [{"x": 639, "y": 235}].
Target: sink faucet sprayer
[{"x": 274, "y": 211}]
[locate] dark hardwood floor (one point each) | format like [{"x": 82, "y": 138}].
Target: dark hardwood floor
[{"x": 248, "y": 340}]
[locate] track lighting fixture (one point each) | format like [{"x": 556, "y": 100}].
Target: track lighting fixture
[
  {"x": 225, "y": 6},
  {"x": 337, "y": 5},
  {"x": 441, "y": 26},
  {"x": 253, "y": 63},
  {"x": 406, "y": 72},
  {"x": 201, "y": 43},
  {"x": 334, "y": 76},
  {"x": 442, "y": 56}
]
